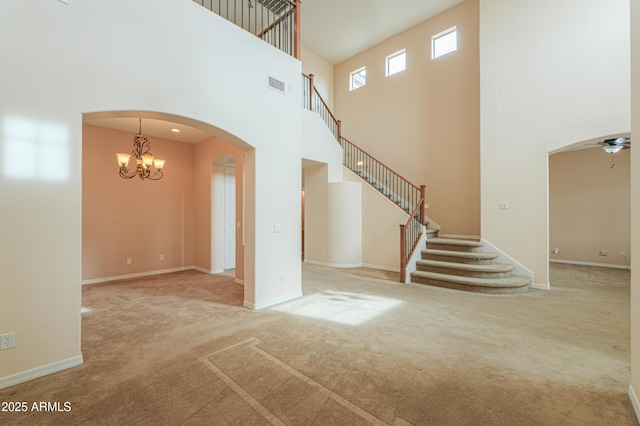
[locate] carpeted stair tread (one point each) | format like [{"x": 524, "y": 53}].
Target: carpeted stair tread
[
  {"x": 511, "y": 285},
  {"x": 495, "y": 267},
  {"x": 455, "y": 242},
  {"x": 461, "y": 254}
]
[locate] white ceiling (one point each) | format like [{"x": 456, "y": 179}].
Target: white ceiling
[{"x": 336, "y": 30}]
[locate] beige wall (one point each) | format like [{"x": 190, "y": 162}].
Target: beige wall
[
  {"x": 589, "y": 208},
  {"x": 316, "y": 232},
  {"x": 322, "y": 72},
  {"x": 543, "y": 87},
  {"x": 423, "y": 122},
  {"x": 132, "y": 218},
  {"x": 634, "y": 389},
  {"x": 380, "y": 227}
]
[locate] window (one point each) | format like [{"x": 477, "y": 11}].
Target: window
[
  {"x": 396, "y": 62},
  {"x": 358, "y": 78},
  {"x": 443, "y": 43}
]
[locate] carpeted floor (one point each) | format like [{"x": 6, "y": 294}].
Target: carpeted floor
[{"x": 358, "y": 348}]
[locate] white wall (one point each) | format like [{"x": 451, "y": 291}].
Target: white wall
[
  {"x": 634, "y": 389},
  {"x": 551, "y": 74},
  {"x": 91, "y": 56}
]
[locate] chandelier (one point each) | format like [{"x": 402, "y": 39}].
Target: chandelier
[{"x": 144, "y": 159}]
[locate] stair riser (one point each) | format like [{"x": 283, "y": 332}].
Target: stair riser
[
  {"x": 471, "y": 288},
  {"x": 452, "y": 247},
  {"x": 459, "y": 260},
  {"x": 463, "y": 273}
]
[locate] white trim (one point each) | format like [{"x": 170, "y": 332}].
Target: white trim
[
  {"x": 354, "y": 265},
  {"x": 141, "y": 274},
  {"x": 238, "y": 281},
  {"x": 634, "y": 402},
  {"x": 271, "y": 302},
  {"x": 519, "y": 269},
  {"x": 35, "y": 373},
  {"x": 380, "y": 267},
  {"x": 334, "y": 265},
  {"x": 541, "y": 286},
  {"x": 199, "y": 269},
  {"x": 601, "y": 265}
]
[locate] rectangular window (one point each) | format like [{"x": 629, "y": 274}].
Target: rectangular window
[
  {"x": 396, "y": 62},
  {"x": 443, "y": 43},
  {"x": 358, "y": 78}
]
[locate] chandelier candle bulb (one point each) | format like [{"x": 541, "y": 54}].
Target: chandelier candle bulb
[{"x": 123, "y": 159}]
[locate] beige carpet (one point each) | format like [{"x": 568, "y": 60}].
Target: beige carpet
[{"x": 358, "y": 348}]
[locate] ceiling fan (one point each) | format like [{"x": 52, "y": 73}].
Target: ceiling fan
[{"x": 612, "y": 146}]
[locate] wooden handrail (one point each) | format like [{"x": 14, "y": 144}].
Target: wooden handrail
[
  {"x": 296, "y": 28},
  {"x": 381, "y": 163},
  {"x": 419, "y": 210},
  {"x": 311, "y": 77},
  {"x": 404, "y": 256}
]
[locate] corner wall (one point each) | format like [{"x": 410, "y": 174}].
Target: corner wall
[
  {"x": 634, "y": 388},
  {"x": 543, "y": 88}
]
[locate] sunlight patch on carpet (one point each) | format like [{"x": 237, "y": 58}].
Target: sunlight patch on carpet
[{"x": 342, "y": 307}]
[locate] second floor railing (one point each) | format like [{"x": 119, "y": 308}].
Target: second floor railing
[{"x": 275, "y": 21}]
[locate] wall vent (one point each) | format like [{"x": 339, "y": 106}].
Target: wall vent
[{"x": 275, "y": 84}]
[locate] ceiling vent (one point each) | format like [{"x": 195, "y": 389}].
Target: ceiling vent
[{"x": 275, "y": 84}]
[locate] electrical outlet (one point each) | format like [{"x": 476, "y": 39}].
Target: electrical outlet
[
  {"x": 603, "y": 252},
  {"x": 556, "y": 250},
  {"x": 283, "y": 278},
  {"x": 7, "y": 341},
  {"x": 162, "y": 257},
  {"x": 128, "y": 261},
  {"x": 621, "y": 254}
]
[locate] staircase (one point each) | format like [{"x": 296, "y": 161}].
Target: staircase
[
  {"x": 451, "y": 263},
  {"x": 462, "y": 265}
]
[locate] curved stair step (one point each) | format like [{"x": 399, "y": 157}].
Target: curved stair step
[
  {"x": 476, "y": 257},
  {"x": 512, "y": 285},
  {"x": 496, "y": 270},
  {"x": 454, "y": 244}
]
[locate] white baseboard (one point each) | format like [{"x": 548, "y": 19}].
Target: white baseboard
[
  {"x": 140, "y": 274},
  {"x": 352, "y": 265},
  {"x": 600, "y": 265},
  {"x": 634, "y": 402},
  {"x": 541, "y": 286},
  {"x": 237, "y": 281},
  {"x": 519, "y": 269},
  {"x": 45, "y": 370},
  {"x": 380, "y": 267},
  {"x": 272, "y": 302},
  {"x": 206, "y": 271}
]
